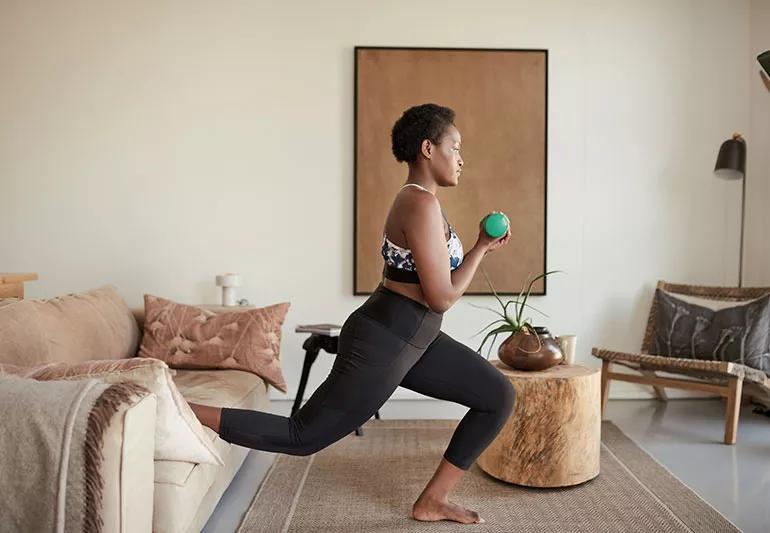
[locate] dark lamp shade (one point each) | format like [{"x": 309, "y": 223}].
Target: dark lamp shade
[
  {"x": 764, "y": 60},
  {"x": 731, "y": 161}
]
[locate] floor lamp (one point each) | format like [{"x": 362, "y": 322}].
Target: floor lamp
[{"x": 731, "y": 165}]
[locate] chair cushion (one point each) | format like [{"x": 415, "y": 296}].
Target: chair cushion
[
  {"x": 710, "y": 303},
  {"x": 739, "y": 333}
]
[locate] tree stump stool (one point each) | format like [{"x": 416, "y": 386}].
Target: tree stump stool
[{"x": 553, "y": 436}]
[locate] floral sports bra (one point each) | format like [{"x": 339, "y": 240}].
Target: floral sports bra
[{"x": 399, "y": 262}]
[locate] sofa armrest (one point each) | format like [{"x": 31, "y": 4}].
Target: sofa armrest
[{"x": 128, "y": 468}]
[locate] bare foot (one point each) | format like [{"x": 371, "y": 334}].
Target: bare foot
[
  {"x": 430, "y": 510},
  {"x": 207, "y": 415}
]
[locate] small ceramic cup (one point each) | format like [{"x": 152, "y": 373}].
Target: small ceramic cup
[{"x": 567, "y": 345}]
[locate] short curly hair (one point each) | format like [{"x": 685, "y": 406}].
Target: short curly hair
[{"x": 426, "y": 121}]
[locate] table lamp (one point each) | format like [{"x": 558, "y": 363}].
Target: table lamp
[{"x": 228, "y": 282}]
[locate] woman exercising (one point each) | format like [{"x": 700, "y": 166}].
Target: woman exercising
[{"x": 394, "y": 337}]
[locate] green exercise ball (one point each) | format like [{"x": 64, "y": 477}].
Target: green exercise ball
[{"x": 496, "y": 225}]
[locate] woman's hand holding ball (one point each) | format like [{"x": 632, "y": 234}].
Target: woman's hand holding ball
[{"x": 494, "y": 231}]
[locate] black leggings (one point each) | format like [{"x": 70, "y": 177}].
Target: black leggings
[{"x": 390, "y": 340}]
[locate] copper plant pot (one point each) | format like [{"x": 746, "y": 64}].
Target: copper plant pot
[{"x": 525, "y": 350}]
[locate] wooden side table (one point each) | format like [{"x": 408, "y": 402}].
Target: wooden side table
[
  {"x": 553, "y": 436},
  {"x": 12, "y": 284}
]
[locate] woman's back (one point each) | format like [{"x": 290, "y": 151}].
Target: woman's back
[
  {"x": 400, "y": 271},
  {"x": 399, "y": 255}
]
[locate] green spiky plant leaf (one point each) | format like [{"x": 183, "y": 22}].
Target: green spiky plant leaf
[{"x": 510, "y": 324}]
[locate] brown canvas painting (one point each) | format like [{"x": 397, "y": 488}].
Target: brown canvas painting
[{"x": 500, "y": 101}]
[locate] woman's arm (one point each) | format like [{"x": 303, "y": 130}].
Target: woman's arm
[
  {"x": 462, "y": 275},
  {"x": 425, "y": 237}
]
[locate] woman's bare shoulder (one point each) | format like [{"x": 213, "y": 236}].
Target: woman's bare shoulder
[
  {"x": 410, "y": 210},
  {"x": 416, "y": 202}
]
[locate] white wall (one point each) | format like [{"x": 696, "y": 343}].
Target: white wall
[
  {"x": 152, "y": 145},
  {"x": 757, "y": 266}
]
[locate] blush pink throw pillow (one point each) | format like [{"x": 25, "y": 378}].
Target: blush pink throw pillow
[{"x": 186, "y": 336}]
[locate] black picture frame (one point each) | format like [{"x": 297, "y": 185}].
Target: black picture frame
[{"x": 543, "y": 51}]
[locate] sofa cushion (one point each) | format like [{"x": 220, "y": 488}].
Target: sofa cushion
[
  {"x": 185, "y": 493},
  {"x": 223, "y": 388},
  {"x": 178, "y": 433},
  {"x": 186, "y": 336},
  {"x": 96, "y": 324},
  {"x": 127, "y": 468}
]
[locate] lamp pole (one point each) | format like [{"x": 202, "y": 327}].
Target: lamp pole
[
  {"x": 743, "y": 221},
  {"x": 731, "y": 165}
]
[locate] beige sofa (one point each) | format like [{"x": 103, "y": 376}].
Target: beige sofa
[{"x": 141, "y": 494}]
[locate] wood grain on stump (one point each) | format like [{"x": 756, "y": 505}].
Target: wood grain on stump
[{"x": 552, "y": 438}]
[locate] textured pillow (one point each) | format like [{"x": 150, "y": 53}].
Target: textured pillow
[
  {"x": 179, "y": 436},
  {"x": 72, "y": 328},
  {"x": 709, "y": 303},
  {"x": 739, "y": 334},
  {"x": 185, "y": 336}
]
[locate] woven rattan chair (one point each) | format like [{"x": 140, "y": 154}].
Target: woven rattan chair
[{"x": 719, "y": 377}]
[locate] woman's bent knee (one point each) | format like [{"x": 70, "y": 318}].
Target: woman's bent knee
[
  {"x": 505, "y": 397},
  {"x": 500, "y": 395},
  {"x": 509, "y": 397}
]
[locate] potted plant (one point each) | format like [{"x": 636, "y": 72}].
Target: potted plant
[{"x": 528, "y": 347}]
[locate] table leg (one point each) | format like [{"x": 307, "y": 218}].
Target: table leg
[
  {"x": 313, "y": 346},
  {"x": 359, "y": 429},
  {"x": 310, "y": 357}
]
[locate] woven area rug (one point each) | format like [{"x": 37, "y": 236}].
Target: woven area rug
[{"x": 368, "y": 484}]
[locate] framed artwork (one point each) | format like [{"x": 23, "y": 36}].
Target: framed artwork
[{"x": 500, "y": 98}]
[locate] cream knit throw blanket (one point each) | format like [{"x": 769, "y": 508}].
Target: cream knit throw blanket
[{"x": 50, "y": 451}]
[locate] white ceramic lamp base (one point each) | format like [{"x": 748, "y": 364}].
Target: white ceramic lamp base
[{"x": 228, "y": 282}]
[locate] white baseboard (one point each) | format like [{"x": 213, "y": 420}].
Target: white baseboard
[
  {"x": 425, "y": 407},
  {"x": 619, "y": 390}
]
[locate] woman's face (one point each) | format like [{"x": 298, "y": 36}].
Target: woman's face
[{"x": 446, "y": 161}]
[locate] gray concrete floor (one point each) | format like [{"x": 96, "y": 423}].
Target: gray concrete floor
[{"x": 685, "y": 436}]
